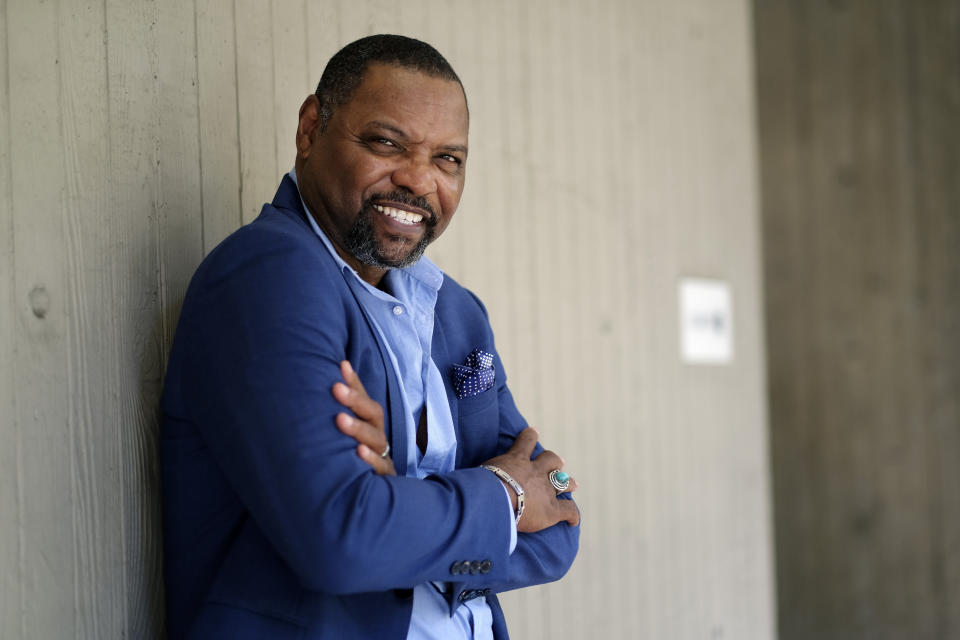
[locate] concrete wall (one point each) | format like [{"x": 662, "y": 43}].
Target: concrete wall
[
  {"x": 860, "y": 148},
  {"x": 612, "y": 153}
]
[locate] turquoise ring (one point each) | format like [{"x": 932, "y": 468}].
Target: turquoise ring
[{"x": 560, "y": 480}]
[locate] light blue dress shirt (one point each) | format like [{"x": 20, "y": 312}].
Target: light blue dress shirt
[{"x": 404, "y": 319}]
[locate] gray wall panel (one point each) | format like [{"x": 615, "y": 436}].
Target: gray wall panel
[
  {"x": 612, "y": 153},
  {"x": 860, "y": 148}
]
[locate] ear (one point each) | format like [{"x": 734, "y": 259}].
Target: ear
[{"x": 308, "y": 126}]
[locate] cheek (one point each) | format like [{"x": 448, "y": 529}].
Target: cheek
[
  {"x": 449, "y": 196},
  {"x": 362, "y": 178}
]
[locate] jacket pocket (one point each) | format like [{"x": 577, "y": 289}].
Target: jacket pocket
[{"x": 481, "y": 402}]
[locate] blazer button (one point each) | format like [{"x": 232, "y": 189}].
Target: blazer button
[
  {"x": 485, "y": 566},
  {"x": 475, "y": 567}
]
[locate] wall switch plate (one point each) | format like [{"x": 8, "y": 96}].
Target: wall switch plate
[{"x": 706, "y": 321}]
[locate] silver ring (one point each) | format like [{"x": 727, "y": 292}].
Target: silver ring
[
  {"x": 559, "y": 480},
  {"x": 386, "y": 452}
]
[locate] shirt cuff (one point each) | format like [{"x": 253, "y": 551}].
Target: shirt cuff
[{"x": 512, "y": 517}]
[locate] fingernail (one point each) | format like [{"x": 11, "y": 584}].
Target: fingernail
[{"x": 349, "y": 366}]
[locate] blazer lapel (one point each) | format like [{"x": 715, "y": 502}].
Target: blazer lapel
[
  {"x": 441, "y": 357},
  {"x": 397, "y": 418}
]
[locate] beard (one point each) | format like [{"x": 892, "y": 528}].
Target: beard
[{"x": 361, "y": 240}]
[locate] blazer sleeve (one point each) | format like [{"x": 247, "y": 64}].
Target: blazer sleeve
[
  {"x": 544, "y": 556},
  {"x": 262, "y": 332}
]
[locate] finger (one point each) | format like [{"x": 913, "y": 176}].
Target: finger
[
  {"x": 549, "y": 460},
  {"x": 568, "y": 512},
  {"x": 382, "y": 466},
  {"x": 573, "y": 486},
  {"x": 361, "y": 431},
  {"x": 357, "y": 400},
  {"x": 351, "y": 378},
  {"x": 368, "y": 409},
  {"x": 525, "y": 442},
  {"x": 356, "y": 395},
  {"x": 342, "y": 393},
  {"x": 351, "y": 387}
]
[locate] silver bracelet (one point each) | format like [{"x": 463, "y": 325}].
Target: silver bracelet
[{"x": 503, "y": 475}]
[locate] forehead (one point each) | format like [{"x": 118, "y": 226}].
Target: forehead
[{"x": 421, "y": 105}]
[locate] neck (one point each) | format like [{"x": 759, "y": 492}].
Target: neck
[{"x": 371, "y": 275}]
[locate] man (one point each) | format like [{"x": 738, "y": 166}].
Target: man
[{"x": 316, "y": 342}]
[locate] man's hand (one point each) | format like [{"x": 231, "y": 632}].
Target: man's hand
[
  {"x": 366, "y": 424},
  {"x": 542, "y": 508}
]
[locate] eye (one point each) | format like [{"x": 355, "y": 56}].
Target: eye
[
  {"x": 383, "y": 145},
  {"x": 449, "y": 163}
]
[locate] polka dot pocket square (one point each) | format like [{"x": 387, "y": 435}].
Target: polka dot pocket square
[{"x": 475, "y": 375}]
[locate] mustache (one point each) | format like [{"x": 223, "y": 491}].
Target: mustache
[{"x": 407, "y": 198}]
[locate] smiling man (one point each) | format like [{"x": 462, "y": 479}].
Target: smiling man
[
  {"x": 341, "y": 455},
  {"x": 398, "y": 149},
  {"x": 383, "y": 174}
]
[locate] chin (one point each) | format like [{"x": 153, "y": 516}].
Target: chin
[
  {"x": 398, "y": 261},
  {"x": 401, "y": 254}
]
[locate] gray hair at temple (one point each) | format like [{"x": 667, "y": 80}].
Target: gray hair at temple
[{"x": 344, "y": 72}]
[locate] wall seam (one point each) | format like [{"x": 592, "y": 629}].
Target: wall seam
[{"x": 196, "y": 70}]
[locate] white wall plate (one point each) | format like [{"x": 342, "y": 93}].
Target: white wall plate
[{"x": 706, "y": 321}]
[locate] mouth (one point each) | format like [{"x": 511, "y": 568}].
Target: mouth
[{"x": 402, "y": 216}]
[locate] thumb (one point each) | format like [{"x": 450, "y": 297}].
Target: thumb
[{"x": 525, "y": 442}]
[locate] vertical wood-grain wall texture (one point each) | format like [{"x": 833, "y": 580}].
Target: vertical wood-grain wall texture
[
  {"x": 612, "y": 153},
  {"x": 859, "y": 111}
]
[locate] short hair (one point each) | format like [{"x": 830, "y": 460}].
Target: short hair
[{"x": 345, "y": 70}]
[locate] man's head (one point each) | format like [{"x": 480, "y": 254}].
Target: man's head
[
  {"x": 382, "y": 149},
  {"x": 344, "y": 72}
]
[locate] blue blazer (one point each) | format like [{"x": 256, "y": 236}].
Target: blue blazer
[{"x": 273, "y": 527}]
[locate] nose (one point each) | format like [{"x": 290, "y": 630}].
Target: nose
[{"x": 416, "y": 175}]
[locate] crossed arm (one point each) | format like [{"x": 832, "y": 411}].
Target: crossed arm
[
  {"x": 542, "y": 507},
  {"x": 253, "y": 373}
]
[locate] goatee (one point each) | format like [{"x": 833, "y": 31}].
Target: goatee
[{"x": 361, "y": 240}]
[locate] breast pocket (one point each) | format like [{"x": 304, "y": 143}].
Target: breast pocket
[
  {"x": 479, "y": 418},
  {"x": 480, "y": 402}
]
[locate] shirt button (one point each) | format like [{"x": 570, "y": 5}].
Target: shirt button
[{"x": 397, "y": 310}]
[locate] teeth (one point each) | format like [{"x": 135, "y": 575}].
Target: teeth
[{"x": 399, "y": 214}]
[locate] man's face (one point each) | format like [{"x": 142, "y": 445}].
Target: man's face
[{"x": 386, "y": 176}]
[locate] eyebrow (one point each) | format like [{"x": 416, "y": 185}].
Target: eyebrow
[
  {"x": 389, "y": 127},
  {"x": 458, "y": 148}
]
